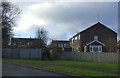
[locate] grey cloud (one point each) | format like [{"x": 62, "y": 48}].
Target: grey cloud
[
  {"x": 75, "y": 12},
  {"x": 64, "y": 19}
]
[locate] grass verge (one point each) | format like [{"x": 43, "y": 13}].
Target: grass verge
[
  {"x": 77, "y": 71},
  {"x": 36, "y": 62},
  {"x": 90, "y": 65}
]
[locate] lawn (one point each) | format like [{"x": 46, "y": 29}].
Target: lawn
[
  {"x": 36, "y": 62},
  {"x": 89, "y": 65},
  {"x": 74, "y": 65},
  {"x": 77, "y": 71}
]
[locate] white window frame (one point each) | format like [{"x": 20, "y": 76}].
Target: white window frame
[
  {"x": 28, "y": 43},
  {"x": 99, "y": 47},
  {"x": 76, "y": 38},
  {"x": 65, "y": 45},
  {"x": 62, "y": 45},
  {"x": 59, "y": 45},
  {"x": 79, "y": 36}
]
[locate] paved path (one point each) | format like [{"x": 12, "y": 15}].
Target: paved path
[{"x": 13, "y": 70}]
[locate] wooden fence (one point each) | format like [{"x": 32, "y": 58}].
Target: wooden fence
[
  {"x": 88, "y": 56},
  {"x": 110, "y": 57},
  {"x": 22, "y": 53}
]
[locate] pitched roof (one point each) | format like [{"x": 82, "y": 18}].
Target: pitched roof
[
  {"x": 92, "y": 27},
  {"x": 96, "y": 41},
  {"x": 96, "y": 25}
]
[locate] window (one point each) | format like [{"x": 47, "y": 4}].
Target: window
[
  {"x": 62, "y": 45},
  {"x": 31, "y": 43},
  {"x": 73, "y": 40},
  {"x": 66, "y": 45},
  {"x": 95, "y": 48},
  {"x": 95, "y": 37},
  {"x": 76, "y": 38},
  {"x": 59, "y": 45},
  {"x": 79, "y": 36},
  {"x": 28, "y": 43}
]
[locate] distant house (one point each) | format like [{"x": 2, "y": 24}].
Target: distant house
[
  {"x": 118, "y": 46},
  {"x": 26, "y": 43},
  {"x": 60, "y": 45},
  {"x": 97, "y": 38}
]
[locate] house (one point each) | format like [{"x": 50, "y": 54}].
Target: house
[
  {"x": 118, "y": 46},
  {"x": 26, "y": 43},
  {"x": 60, "y": 45},
  {"x": 97, "y": 38}
]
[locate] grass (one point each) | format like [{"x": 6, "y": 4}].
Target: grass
[
  {"x": 77, "y": 71},
  {"x": 36, "y": 62},
  {"x": 74, "y": 64},
  {"x": 89, "y": 65}
]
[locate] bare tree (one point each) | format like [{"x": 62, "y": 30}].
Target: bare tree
[
  {"x": 9, "y": 14},
  {"x": 42, "y": 34}
]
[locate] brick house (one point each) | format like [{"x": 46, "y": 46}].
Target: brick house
[
  {"x": 97, "y": 38},
  {"x": 25, "y": 43},
  {"x": 60, "y": 45},
  {"x": 118, "y": 46}
]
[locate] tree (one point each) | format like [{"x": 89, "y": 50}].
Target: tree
[
  {"x": 113, "y": 46},
  {"x": 42, "y": 35},
  {"x": 10, "y": 13}
]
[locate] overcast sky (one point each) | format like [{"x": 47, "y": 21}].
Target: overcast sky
[{"x": 64, "y": 19}]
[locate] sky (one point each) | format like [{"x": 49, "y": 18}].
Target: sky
[{"x": 64, "y": 19}]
